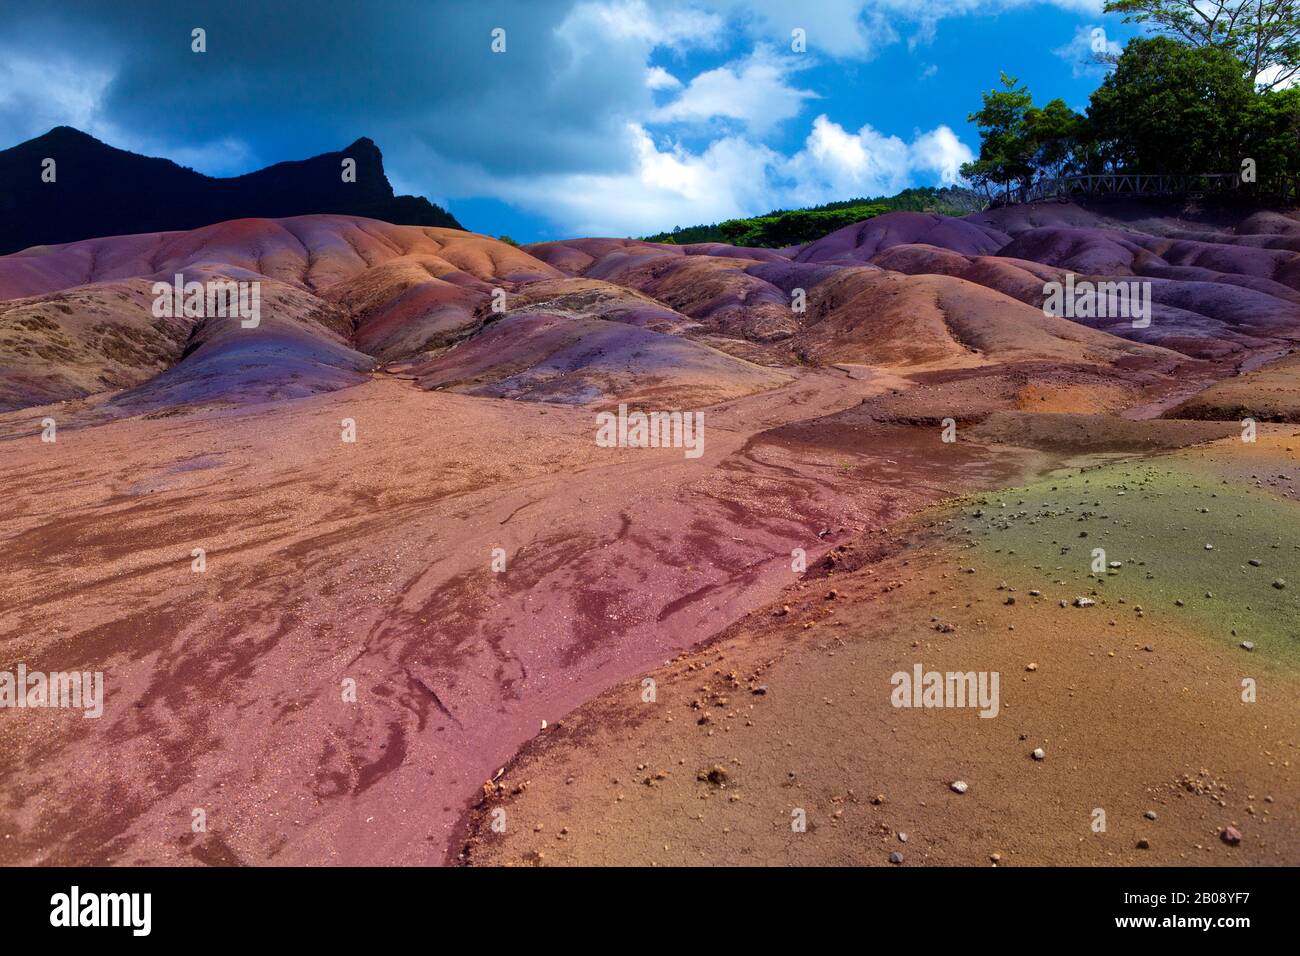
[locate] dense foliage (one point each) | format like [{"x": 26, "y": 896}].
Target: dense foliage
[
  {"x": 786, "y": 227},
  {"x": 1264, "y": 35},
  {"x": 1169, "y": 106}
]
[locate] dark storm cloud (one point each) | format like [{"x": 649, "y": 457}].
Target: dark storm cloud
[{"x": 292, "y": 78}]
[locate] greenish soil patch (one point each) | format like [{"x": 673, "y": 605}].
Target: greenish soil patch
[{"x": 1155, "y": 518}]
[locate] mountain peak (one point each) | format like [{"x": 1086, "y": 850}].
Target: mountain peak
[{"x": 100, "y": 190}]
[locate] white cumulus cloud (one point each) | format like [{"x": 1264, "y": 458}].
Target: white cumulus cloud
[{"x": 755, "y": 91}]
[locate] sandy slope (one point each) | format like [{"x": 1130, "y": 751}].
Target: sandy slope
[
  {"x": 789, "y": 716},
  {"x": 472, "y": 371}
]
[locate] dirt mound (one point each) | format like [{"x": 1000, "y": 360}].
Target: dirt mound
[
  {"x": 863, "y": 240},
  {"x": 883, "y": 318},
  {"x": 1084, "y": 434},
  {"x": 1270, "y": 393},
  {"x": 540, "y": 356}
]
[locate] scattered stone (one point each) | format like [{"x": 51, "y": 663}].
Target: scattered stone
[
  {"x": 1144, "y": 844},
  {"x": 717, "y": 775},
  {"x": 1279, "y": 584},
  {"x": 1009, "y": 600},
  {"x": 1230, "y": 836},
  {"x": 1038, "y": 754},
  {"x": 1150, "y": 814},
  {"x": 959, "y": 786},
  {"x": 1031, "y": 666},
  {"x": 1247, "y": 645},
  {"x": 1084, "y": 602},
  {"x": 760, "y": 690},
  {"x": 1254, "y": 562},
  {"x": 995, "y": 857},
  {"x": 1209, "y": 547},
  {"x": 902, "y": 838},
  {"x": 895, "y": 857}
]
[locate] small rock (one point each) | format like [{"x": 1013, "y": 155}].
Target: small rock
[
  {"x": 1279, "y": 584},
  {"x": 959, "y": 786},
  {"x": 1031, "y": 666},
  {"x": 895, "y": 857},
  {"x": 1144, "y": 844},
  {"x": 1254, "y": 562},
  {"x": 902, "y": 838},
  {"x": 1150, "y": 814},
  {"x": 1247, "y": 646},
  {"x": 1084, "y": 602},
  {"x": 1038, "y": 754},
  {"x": 1230, "y": 836}
]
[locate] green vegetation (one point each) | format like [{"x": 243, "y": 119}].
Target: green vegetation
[
  {"x": 1189, "y": 102},
  {"x": 1155, "y": 519},
  {"x": 785, "y": 227},
  {"x": 1264, "y": 35}
]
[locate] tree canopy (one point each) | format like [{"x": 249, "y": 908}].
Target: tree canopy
[
  {"x": 1168, "y": 106},
  {"x": 1263, "y": 35}
]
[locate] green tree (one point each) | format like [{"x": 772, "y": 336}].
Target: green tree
[
  {"x": 1006, "y": 149},
  {"x": 1020, "y": 142},
  {"x": 1171, "y": 108},
  {"x": 1056, "y": 134},
  {"x": 1263, "y": 34},
  {"x": 1273, "y": 135}
]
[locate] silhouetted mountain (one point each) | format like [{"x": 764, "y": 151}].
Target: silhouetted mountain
[{"x": 102, "y": 191}]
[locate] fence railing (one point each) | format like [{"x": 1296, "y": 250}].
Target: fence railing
[{"x": 1143, "y": 185}]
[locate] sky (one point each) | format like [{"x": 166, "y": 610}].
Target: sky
[{"x": 599, "y": 117}]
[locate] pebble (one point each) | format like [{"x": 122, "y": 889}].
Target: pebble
[
  {"x": 1247, "y": 645},
  {"x": 1144, "y": 844},
  {"x": 1254, "y": 562},
  {"x": 1150, "y": 814},
  {"x": 1038, "y": 754},
  {"x": 1279, "y": 584},
  {"x": 1031, "y": 666},
  {"x": 1230, "y": 836},
  {"x": 1084, "y": 602},
  {"x": 895, "y": 857},
  {"x": 959, "y": 786}
]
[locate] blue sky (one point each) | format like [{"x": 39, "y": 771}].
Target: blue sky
[{"x": 601, "y": 117}]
